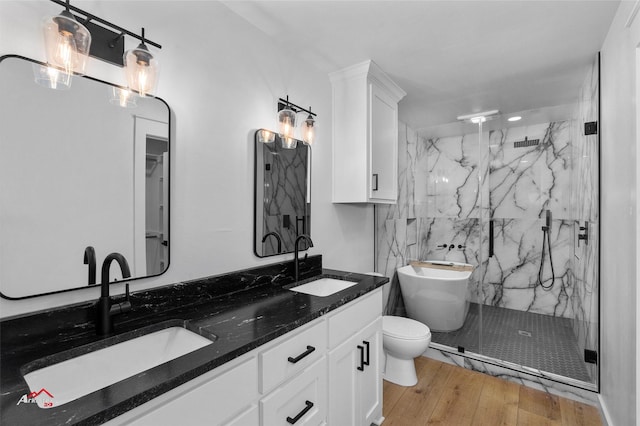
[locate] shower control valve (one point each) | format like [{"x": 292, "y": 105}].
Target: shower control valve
[
  {"x": 585, "y": 236},
  {"x": 461, "y": 247}
]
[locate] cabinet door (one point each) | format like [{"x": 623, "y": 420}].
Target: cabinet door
[
  {"x": 343, "y": 384},
  {"x": 370, "y": 379},
  {"x": 383, "y": 133},
  {"x": 355, "y": 379}
]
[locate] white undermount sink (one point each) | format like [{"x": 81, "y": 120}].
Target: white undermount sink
[
  {"x": 323, "y": 286},
  {"x": 79, "y": 376}
]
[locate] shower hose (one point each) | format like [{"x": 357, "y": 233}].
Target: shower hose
[{"x": 546, "y": 240}]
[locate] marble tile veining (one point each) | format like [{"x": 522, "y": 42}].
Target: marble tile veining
[{"x": 457, "y": 189}]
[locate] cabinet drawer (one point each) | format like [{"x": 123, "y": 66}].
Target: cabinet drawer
[
  {"x": 212, "y": 402},
  {"x": 292, "y": 355},
  {"x": 251, "y": 417},
  {"x": 302, "y": 401},
  {"x": 354, "y": 317}
]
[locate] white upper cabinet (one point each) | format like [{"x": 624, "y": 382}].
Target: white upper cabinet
[{"x": 365, "y": 135}]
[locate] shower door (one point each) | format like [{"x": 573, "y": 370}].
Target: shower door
[{"x": 537, "y": 278}]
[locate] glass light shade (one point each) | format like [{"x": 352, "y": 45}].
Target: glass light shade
[
  {"x": 122, "y": 97},
  {"x": 266, "y": 136},
  {"x": 67, "y": 43},
  {"x": 308, "y": 130},
  {"x": 141, "y": 68},
  {"x": 289, "y": 143},
  {"x": 51, "y": 77},
  {"x": 286, "y": 123}
]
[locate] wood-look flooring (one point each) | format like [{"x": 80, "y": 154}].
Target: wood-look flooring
[{"x": 451, "y": 395}]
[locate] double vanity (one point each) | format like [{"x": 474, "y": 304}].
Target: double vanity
[
  {"x": 250, "y": 347},
  {"x": 287, "y": 343}
]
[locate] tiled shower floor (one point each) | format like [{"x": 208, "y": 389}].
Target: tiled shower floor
[{"x": 539, "y": 341}]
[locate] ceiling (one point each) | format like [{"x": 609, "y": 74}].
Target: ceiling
[{"x": 451, "y": 57}]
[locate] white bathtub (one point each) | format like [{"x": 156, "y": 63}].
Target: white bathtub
[{"x": 435, "y": 297}]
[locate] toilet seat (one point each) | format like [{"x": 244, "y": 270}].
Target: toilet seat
[{"x": 404, "y": 328}]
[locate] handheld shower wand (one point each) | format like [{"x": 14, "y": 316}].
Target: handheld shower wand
[{"x": 546, "y": 239}]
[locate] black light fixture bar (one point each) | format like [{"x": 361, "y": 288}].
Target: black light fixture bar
[
  {"x": 296, "y": 108},
  {"x": 91, "y": 17}
]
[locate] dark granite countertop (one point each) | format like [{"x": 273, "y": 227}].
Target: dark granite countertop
[{"x": 243, "y": 310}]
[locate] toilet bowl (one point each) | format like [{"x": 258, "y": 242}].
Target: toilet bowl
[{"x": 403, "y": 339}]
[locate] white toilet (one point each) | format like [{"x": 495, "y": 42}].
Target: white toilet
[{"x": 403, "y": 339}]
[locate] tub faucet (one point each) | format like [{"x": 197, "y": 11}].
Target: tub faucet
[
  {"x": 295, "y": 253},
  {"x": 106, "y": 309}
]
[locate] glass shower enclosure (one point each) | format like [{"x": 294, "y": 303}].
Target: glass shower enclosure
[
  {"x": 520, "y": 202},
  {"x": 534, "y": 293}
]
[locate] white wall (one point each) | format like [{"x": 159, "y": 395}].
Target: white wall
[
  {"x": 222, "y": 78},
  {"x": 619, "y": 260}
]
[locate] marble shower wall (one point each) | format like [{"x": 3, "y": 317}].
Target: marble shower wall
[{"x": 439, "y": 201}]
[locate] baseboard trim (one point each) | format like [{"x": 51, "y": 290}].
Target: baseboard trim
[
  {"x": 605, "y": 412},
  {"x": 378, "y": 422}
]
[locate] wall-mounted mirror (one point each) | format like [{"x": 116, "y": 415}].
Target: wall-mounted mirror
[
  {"x": 282, "y": 197},
  {"x": 77, "y": 171}
]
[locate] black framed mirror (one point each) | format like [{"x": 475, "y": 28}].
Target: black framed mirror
[
  {"x": 81, "y": 176},
  {"x": 282, "y": 207}
]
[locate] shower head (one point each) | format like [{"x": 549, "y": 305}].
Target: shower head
[{"x": 479, "y": 117}]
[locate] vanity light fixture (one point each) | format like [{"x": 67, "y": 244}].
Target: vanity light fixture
[
  {"x": 308, "y": 129},
  {"x": 514, "y": 118},
  {"x": 287, "y": 112},
  {"x": 70, "y": 38},
  {"x": 141, "y": 68},
  {"x": 286, "y": 124},
  {"x": 286, "y": 120},
  {"x": 67, "y": 42}
]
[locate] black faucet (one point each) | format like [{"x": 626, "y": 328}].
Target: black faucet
[
  {"x": 277, "y": 237},
  {"x": 106, "y": 310},
  {"x": 295, "y": 253},
  {"x": 90, "y": 259}
]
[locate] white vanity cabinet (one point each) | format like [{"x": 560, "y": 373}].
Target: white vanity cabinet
[
  {"x": 365, "y": 135},
  {"x": 355, "y": 366},
  {"x": 308, "y": 376}
]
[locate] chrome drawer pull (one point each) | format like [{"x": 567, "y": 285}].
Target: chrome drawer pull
[
  {"x": 301, "y": 413},
  {"x": 302, "y": 355}
]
